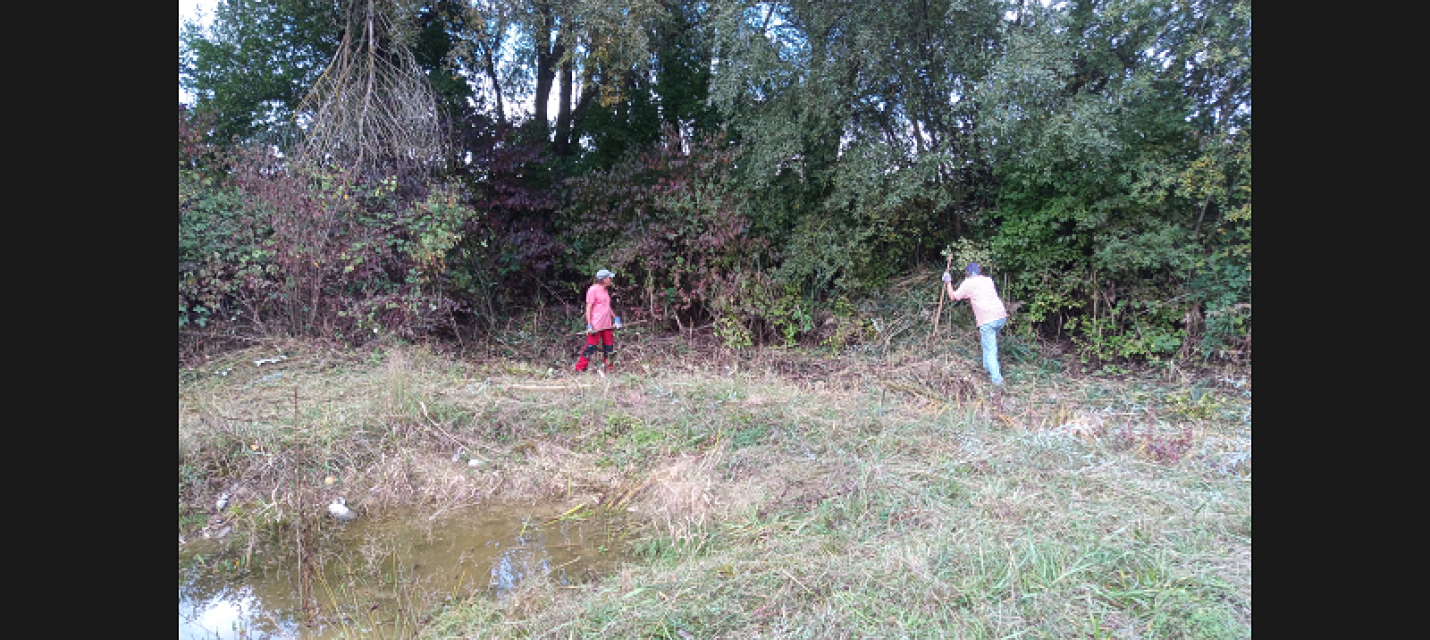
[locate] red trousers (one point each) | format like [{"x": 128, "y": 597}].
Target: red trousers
[{"x": 606, "y": 339}]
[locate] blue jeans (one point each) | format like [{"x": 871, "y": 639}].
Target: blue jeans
[{"x": 988, "y": 336}]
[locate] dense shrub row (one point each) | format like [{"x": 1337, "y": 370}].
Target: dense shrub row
[
  {"x": 753, "y": 166},
  {"x": 279, "y": 246}
]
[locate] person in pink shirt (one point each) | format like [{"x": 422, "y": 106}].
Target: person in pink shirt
[
  {"x": 988, "y": 312},
  {"x": 600, "y": 322}
]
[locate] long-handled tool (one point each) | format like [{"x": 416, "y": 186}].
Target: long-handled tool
[
  {"x": 941, "y": 295},
  {"x": 624, "y": 325}
]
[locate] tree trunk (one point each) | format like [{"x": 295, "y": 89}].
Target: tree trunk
[
  {"x": 588, "y": 93},
  {"x": 563, "y": 113},
  {"x": 496, "y": 84},
  {"x": 545, "y": 65}
]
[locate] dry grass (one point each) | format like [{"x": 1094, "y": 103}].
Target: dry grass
[{"x": 782, "y": 492}]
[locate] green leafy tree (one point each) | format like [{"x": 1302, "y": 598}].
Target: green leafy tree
[
  {"x": 665, "y": 95},
  {"x": 1112, "y": 123},
  {"x": 1098, "y": 152},
  {"x": 251, "y": 68},
  {"x": 860, "y": 136}
]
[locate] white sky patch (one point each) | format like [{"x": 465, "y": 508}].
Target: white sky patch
[
  {"x": 201, "y": 11},
  {"x": 188, "y": 9}
]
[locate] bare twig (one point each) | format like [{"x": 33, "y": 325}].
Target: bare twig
[{"x": 372, "y": 106}]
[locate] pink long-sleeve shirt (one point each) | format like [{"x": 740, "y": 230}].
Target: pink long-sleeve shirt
[{"x": 983, "y": 297}]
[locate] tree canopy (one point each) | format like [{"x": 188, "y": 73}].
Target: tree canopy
[{"x": 1096, "y": 154}]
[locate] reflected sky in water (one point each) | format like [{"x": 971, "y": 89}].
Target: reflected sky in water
[{"x": 374, "y": 567}]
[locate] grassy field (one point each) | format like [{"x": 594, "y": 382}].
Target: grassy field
[{"x": 881, "y": 491}]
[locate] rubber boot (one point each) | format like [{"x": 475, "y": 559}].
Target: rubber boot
[{"x": 582, "y": 363}]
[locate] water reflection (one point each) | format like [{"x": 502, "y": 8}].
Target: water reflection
[
  {"x": 227, "y": 613},
  {"x": 386, "y": 572}
]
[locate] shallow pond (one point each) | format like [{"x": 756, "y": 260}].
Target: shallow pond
[{"x": 383, "y": 575}]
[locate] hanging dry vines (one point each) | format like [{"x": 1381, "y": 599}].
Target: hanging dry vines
[{"x": 372, "y": 109}]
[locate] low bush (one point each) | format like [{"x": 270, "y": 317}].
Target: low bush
[{"x": 291, "y": 248}]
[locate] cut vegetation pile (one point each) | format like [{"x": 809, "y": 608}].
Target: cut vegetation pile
[{"x": 783, "y": 493}]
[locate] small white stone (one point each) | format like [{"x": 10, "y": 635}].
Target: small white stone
[{"x": 338, "y": 509}]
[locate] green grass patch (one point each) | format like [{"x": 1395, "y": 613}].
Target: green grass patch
[{"x": 777, "y": 494}]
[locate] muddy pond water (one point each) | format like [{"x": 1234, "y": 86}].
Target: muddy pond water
[{"x": 384, "y": 575}]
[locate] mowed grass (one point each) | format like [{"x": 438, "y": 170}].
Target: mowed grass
[{"x": 779, "y": 493}]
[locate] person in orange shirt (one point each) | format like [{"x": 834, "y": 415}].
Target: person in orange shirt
[
  {"x": 600, "y": 322},
  {"x": 988, "y": 312}
]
